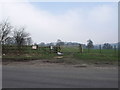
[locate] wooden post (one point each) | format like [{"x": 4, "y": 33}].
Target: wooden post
[
  {"x": 115, "y": 49},
  {"x": 100, "y": 48},
  {"x": 80, "y": 48},
  {"x": 88, "y": 49}
]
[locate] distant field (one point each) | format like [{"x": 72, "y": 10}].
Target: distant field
[
  {"x": 70, "y": 54},
  {"x": 94, "y": 55}
]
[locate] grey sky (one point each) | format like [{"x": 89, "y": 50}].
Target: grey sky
[{"x": 76, "y": 22}]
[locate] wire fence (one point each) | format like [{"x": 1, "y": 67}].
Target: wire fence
[{"x": 10, "y": 49}]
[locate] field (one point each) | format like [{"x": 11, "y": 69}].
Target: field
[
  {"x": 93, "y": 56},
  {"x": 71, "y": 55}
]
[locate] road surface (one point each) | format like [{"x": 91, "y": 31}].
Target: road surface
[{"x": 59, "y": 76}]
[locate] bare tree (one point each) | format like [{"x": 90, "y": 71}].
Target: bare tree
[
  {"x": 20, "y": 36},
  {"x": 5, "y": 29},
  {"x": 10, "y": 41}
]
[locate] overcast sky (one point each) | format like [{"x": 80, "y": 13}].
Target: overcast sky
[{"x": 68, "y": 21}]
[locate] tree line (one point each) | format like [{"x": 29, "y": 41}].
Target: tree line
[
  {"x": 89, "y": 45},
  {"x": 105, "y": 45}
]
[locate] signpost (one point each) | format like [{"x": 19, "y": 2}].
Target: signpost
[{"x": 34, "y": 47}]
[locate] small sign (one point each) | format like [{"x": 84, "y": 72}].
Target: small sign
[
  {"x": 51, "y": 47},
  {"x": 34, "y": 47}
]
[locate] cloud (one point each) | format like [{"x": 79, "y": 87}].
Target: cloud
[{"x": 98, "y": 23}]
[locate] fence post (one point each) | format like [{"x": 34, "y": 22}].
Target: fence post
[
  {"x": 88, "y": 49},
  {"x": 80, "y": 48},
  {"x": 115, "y": 49},
  {"x": 100, "y": 48}
]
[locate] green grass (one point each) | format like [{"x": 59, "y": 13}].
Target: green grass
[
  {"x": 69, "y": 49},
  {"x": 94, "y": 55},
  {"x": 28, "y": 57}
]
